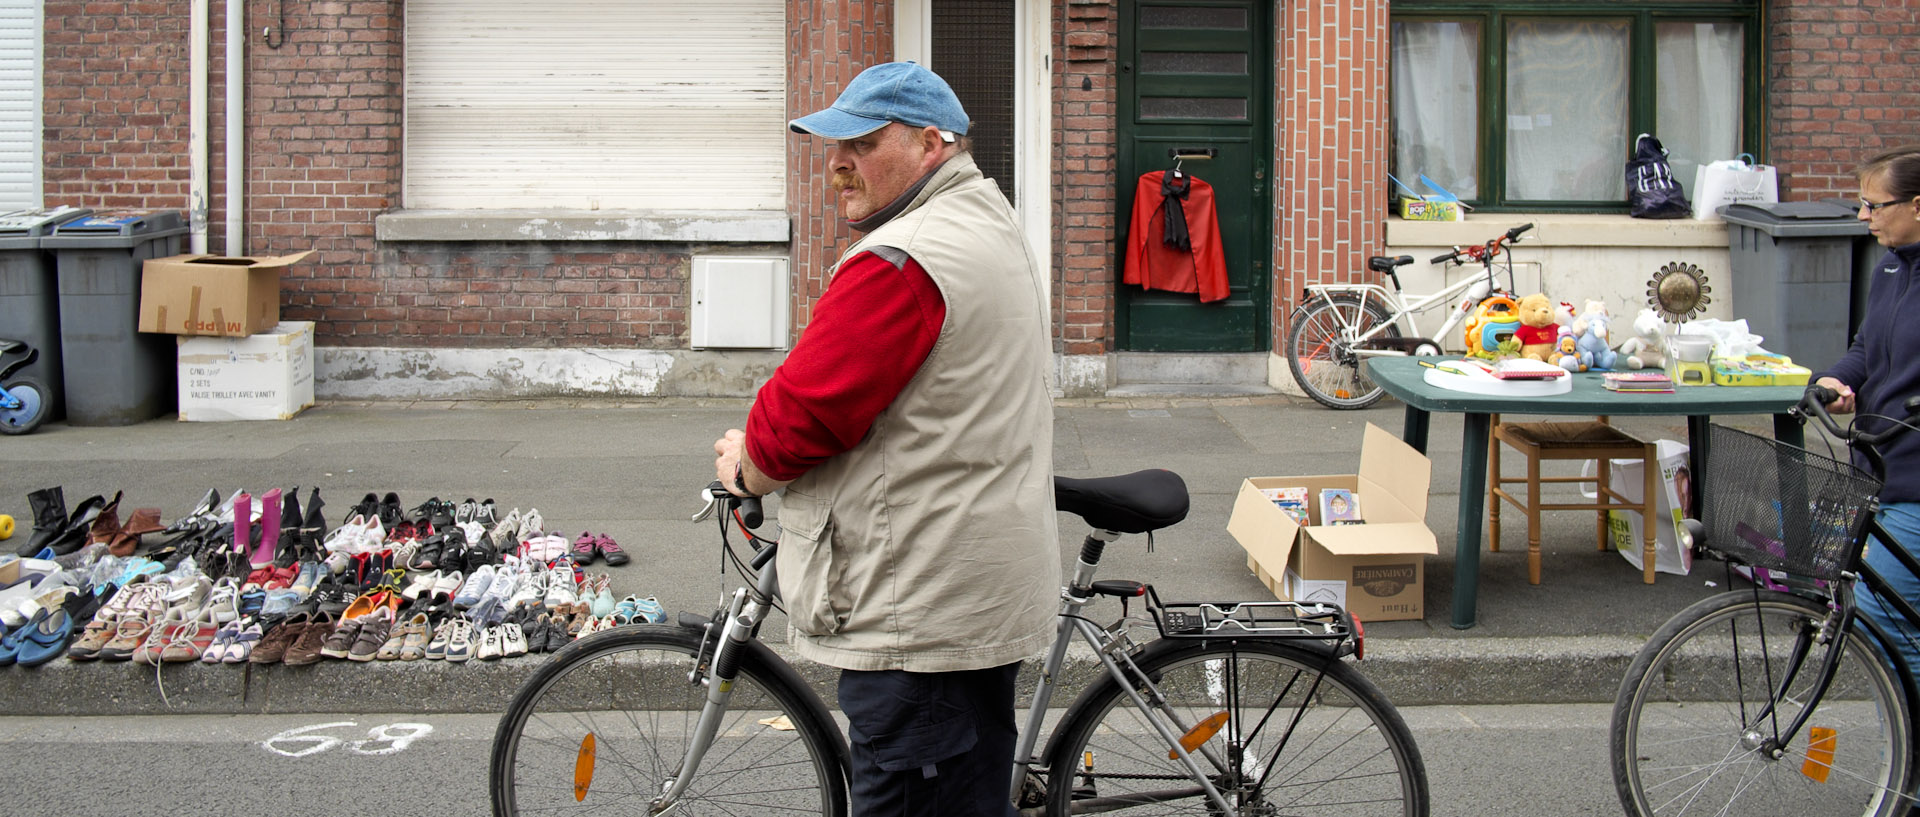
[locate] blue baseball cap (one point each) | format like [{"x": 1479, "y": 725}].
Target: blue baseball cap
[{"x": 903, "y": 92}]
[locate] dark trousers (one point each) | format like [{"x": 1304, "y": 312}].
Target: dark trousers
[{"x": 936, "y": 743}]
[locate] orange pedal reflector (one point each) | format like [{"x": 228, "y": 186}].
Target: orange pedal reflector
[
  {"x": 1342, "y": 393},
  {"x": 1820, "y": 744},
  {"x": 1200, "y": 733},
  {"x": 583, "y": 768}
]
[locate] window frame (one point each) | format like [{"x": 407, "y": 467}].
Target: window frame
[{"x": 1643, "y": 17}]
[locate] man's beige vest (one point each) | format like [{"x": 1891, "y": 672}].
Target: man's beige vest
[{"x": 931, "y": 546}]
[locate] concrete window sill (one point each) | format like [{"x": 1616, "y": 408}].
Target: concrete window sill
[
  {"x": 682, "y": 226},
  {"x": 1560, "y": 230}
]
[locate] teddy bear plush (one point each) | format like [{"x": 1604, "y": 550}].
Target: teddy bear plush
[
  {"x": 1592, "y": 329},
  {"x": 1566, "y": 352},
  {"x": 1538, "y": 331},
  {"x": 1644, "y": 348}
]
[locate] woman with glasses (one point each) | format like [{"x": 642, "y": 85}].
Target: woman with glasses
[{"x": 1881, "y": 370}]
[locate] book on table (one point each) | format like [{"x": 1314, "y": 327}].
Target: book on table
[{"x": 1636, "y": 382}]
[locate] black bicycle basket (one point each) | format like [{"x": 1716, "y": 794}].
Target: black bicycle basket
[{"x": 1782, "y": 507}]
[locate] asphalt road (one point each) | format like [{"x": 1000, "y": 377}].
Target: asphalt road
[{"x": 1482, "y": 761}]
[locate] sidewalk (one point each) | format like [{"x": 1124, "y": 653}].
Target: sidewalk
[{"x": 633, "y": 469}]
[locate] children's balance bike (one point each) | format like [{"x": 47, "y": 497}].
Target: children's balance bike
[{"x": 23, "y": 400}]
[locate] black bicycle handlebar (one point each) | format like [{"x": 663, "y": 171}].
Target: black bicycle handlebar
[
  {"x": 1515, "y": 232},
  {"x": 751, "y": 514},
  {"x": 1814, "y": 404},
  {"x": 1442, "y": 259}
]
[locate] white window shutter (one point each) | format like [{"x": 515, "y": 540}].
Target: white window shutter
[{"x": 596, "y": 105}]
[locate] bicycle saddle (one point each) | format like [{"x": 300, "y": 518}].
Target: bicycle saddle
[
  {"x": 1382, "y": 263},
  {"x": 1131, "y": 503}
]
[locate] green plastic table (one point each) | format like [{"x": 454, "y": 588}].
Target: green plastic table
[{"x": 1404, "y": 378}]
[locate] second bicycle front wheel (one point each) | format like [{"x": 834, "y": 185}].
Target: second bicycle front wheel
[
  {"x": 1321, "y": 355},
  {"x": 600, "y": 726},
  {"x": 1301, "y": 734},
  {"x": 1692, "y": 728}
]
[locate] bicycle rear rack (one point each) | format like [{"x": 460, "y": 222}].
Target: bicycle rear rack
[{"x": 1288, "y": 620}]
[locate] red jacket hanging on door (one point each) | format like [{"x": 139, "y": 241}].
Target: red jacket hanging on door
[{"x": 1153, "y": 264}]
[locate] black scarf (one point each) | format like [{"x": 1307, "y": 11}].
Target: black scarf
[{"x": 1174, "y": 187}]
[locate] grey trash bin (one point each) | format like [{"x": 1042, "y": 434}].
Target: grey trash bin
[
  {"x": 1793, "y": 270},
  {"x": 115, "y": 374},
  {"x": 30, "y": 295}
]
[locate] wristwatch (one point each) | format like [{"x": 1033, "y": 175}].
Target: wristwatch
[{"x": 740, "y": 480}]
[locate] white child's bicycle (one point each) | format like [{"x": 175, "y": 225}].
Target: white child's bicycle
[{"x": 1339, "y": 325}]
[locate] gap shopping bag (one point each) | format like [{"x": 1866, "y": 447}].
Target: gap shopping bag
[
  {"x": 1651, "y": 190},
  {"x": 1732, "y": 181}
]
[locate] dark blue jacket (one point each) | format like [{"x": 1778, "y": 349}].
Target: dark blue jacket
[{"x": 1883, "y": 366}]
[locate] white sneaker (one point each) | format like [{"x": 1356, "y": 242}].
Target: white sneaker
[
  {"x": 476, "y": 586},
  {"x": 529, "y": 590},
  {"x": 223, "y": 601},
  {"x": 460, "y": 640},
  {"x": 506, "y": 581},
  {"x": 491, "y": 642},
  {"x": 531, "y": 525},
  {"x": 560, "y": 587},
  {"x": 422, "y": 583},
  {"x": 513, "y": 640},
  {"x": 448, "y": 583}
]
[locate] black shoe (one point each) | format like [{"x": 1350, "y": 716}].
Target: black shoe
[
  {"x": 49, "y": 519},
  {"x": 390, "y": 512},
  {"x": 74, "y": 535}
]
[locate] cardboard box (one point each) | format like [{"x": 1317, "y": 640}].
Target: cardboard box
[
  {"x": 268, "y": 376},
  {"x": 1431, "y": 208},
  {"x": 212, "y": 295},
  {"x": 1376, "y": 570}
]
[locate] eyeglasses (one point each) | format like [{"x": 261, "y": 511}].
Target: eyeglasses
[{"x": 1874, "y": 206}]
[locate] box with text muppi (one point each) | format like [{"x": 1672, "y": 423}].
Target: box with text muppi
[
  {"x": 212, "y": 294},
  {"x": 1376, "y": 569}
]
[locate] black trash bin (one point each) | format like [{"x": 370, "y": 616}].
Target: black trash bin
[
  {"x": 115, "y": 374},
  {"x": 30, "y": 295},
  {"x": 1793, "y": 269}
]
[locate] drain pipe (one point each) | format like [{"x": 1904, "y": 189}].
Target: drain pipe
[
  {"x": 199, "y": 173},
  {"x": 236, "y": 125}
]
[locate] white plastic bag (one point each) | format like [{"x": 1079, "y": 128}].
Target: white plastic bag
[
  {"x": 1730, "y": 338},
  {"x": 1731, "y": 181}
]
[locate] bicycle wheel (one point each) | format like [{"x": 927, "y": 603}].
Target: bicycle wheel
[
  {"x": 1303, "y": 734},
  {"x": 1321, "y": 356},
  {"x": 777, "y": 750},
  {"x": 32, "y": 411},
  {"x": 1688, "y": 718}
]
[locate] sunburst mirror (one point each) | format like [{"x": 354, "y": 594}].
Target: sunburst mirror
[{"x": 1679, "y": 292}]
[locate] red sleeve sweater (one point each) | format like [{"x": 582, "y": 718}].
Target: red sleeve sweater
[{"x": 871, "y": 331}]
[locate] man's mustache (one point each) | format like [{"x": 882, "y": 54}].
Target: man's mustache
[{"x": 846, "y": 181}]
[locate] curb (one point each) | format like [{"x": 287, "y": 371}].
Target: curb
[{"x": 1418, "y": 672}]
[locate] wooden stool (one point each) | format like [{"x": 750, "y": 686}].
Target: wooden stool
[{"x": 1582, "y": 440}]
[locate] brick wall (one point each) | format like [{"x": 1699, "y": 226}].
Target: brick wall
[
  {"x": 1084, "y": 262},
  {"x": 114, "y": 119},
  {"x": 1331, "y": 137},
  {"x": 830, "y": 42},
  {"x": 1844, "y": 84}
]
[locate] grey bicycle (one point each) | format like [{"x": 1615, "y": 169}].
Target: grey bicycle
[{"x": 1229, "y": 709}]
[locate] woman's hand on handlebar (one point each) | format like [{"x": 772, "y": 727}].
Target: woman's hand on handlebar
[{"x": 1837, "y": 397}]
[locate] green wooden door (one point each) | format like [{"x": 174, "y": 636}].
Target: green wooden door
[{"x": 1195, "y": 77}]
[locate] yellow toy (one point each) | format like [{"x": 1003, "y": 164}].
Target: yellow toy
[
  {"x": 1567, "y": 355},
  {"x": 6, "y": 526},
  {"x": 1496, "y": 318},
  {"x": 1538, "y": 329}
]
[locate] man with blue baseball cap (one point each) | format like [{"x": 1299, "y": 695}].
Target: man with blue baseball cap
[{"x": 911, "y": 431}]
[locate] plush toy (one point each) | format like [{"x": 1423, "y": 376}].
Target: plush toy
[
  {"x": 1563, "y": 313},
  {"x": 1566, "y": 352},
  {"x": 1644, "y": 348},
  {"x": 1537, "y": 331},
  {"x": 1595, "y": 351}
]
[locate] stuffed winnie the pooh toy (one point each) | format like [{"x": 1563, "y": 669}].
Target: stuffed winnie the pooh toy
[{"x": 1537, "y": 328}]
